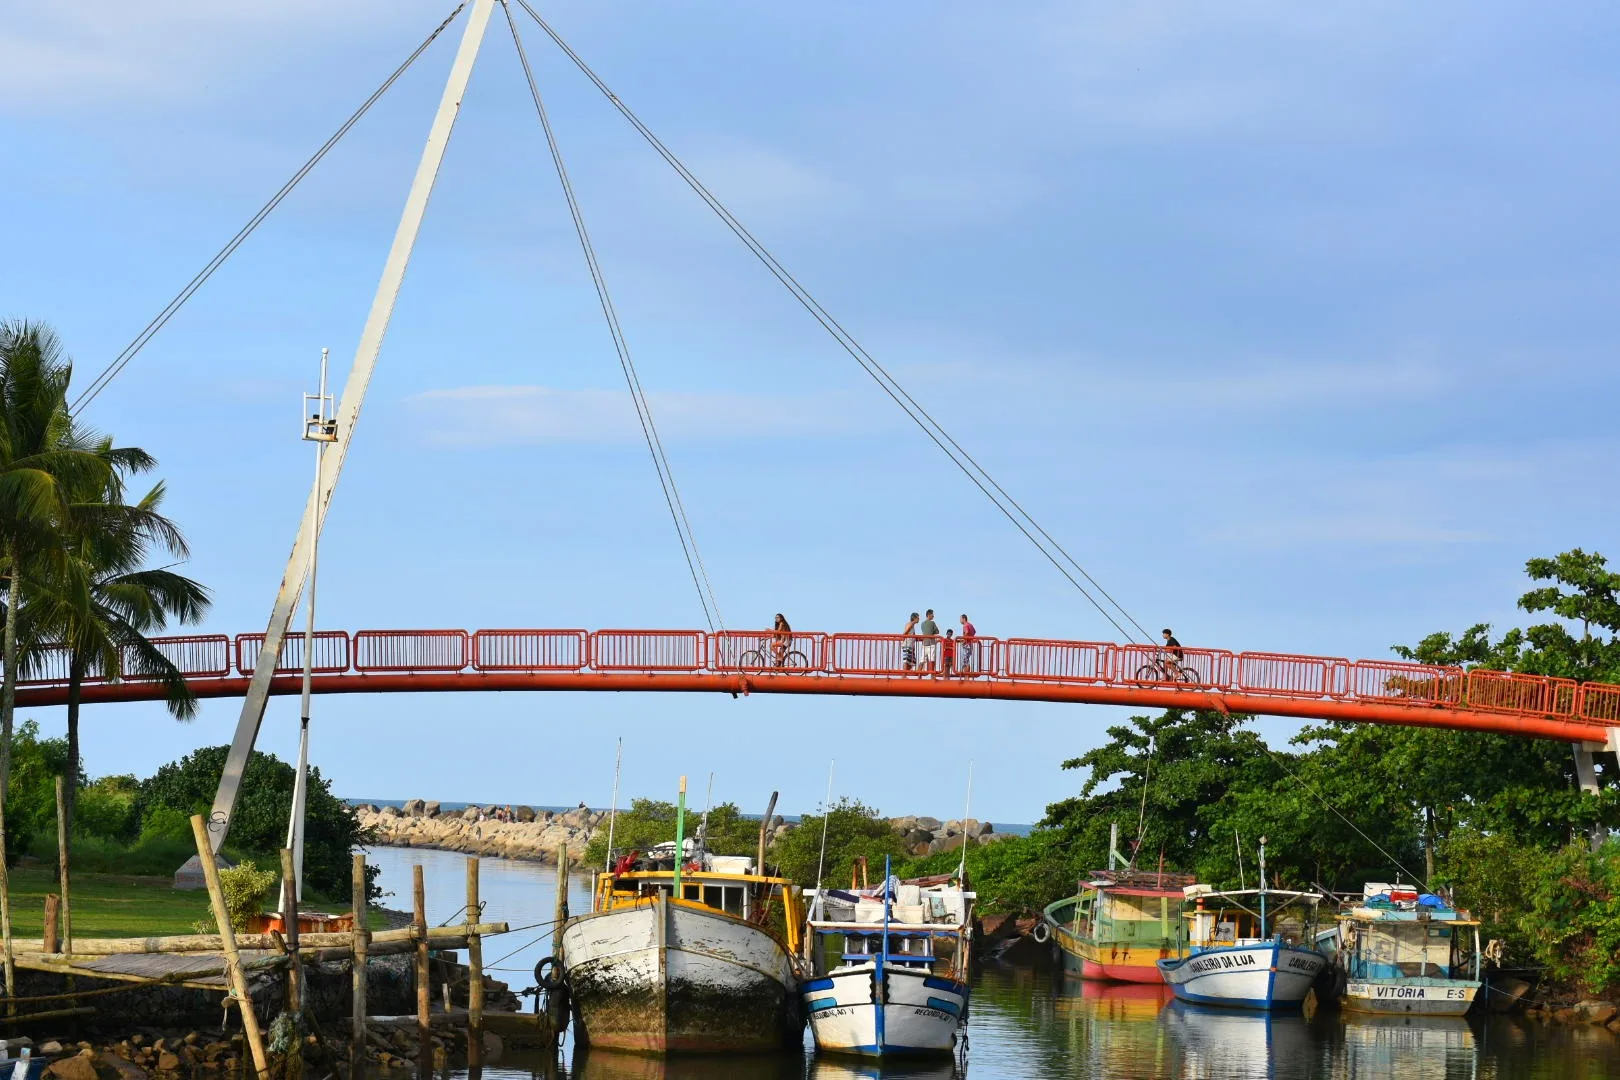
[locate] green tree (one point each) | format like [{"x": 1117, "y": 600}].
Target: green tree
[
  {"x": 1015, "y": 874},
  {"x": 31, "y": 800},
  {"x": 99, "y": 603},
  {"x": 1574, "y": 917},
  {"x": 259, "y": 825},
  {"x": 42, "y": 458},
  {"x": 854, "y": 831}
]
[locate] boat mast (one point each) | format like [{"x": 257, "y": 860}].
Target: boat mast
[
  {"x": 680, "y": 838},
  {"x": 961, "y": 870},
  {"x": 1263, "y": 934},
  {"x": 613, "y": 814}
]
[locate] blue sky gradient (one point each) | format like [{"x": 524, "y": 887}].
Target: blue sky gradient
[{"x": 1296, "y": 326}]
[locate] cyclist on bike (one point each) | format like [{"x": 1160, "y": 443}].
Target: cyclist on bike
[
  {"x": 781, "y": 638},
  {"x": 1172, "y": 646}
]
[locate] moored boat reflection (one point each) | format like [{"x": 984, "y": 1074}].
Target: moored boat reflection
[
  {"x": 1233, "y": 1044},
  {"x": 592, "y": 1064},
  {"x": 1409, "y": 1046}
]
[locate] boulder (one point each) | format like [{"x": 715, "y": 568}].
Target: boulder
[
  {"x": 918, "y": 836},
  {"x": 78, "y": 1067},
  {"x": 920, "y": 849},
  {"x": 1596, "y": 1012},
  {"x": 430, "y": 809},
  {"x": 524, "y": 814},
  {"x": 985, "y": 828},
  {"x": 932, "y": 824},
  {"x": 995, "y": 837},
  {"x": 944, "y": 843},
  {"x": 414, "y": 807},
  {"x": 471, "y": 813},
  {"x": 904, "y": 824},
  {"x": 390, "y": 812}
]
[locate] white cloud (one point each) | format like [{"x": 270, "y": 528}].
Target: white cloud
[{"x": 507, "y": 415}]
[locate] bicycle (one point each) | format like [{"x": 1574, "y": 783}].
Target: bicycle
[
  {"x": 1165, "y": 668},
  {"x": 760, "y": 660}
]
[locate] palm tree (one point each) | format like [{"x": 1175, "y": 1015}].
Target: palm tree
[
  {"x": 97, "y": 603},
  {"x": 41, "y": 457}
]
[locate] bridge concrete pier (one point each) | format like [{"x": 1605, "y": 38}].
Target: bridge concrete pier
[{"x": 1586, "y": 773}]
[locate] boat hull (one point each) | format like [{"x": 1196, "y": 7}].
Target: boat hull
[
  {"x": 1414, "y": 996},
  {"x": 920, "y": 1013},
  {"x": 661, "y": 977},
  {"x": 1270, "y": 975}
]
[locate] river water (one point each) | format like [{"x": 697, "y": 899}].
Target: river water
[{"x": 1029, "y": 1025}]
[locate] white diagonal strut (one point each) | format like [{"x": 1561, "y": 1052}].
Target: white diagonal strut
[{"x": 348, "y": 416}]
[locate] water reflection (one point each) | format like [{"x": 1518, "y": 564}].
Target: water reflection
[
  {"x": 606, "y": 1065},
  {"x": 1403, "y": 1047},
  {"x": 1234, "y": 1042}
]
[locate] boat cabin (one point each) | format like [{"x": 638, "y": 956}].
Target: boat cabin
[
  {"x": 725, "y": 884},
  {"x": 1243, "y": 917},
  {"x": 928, "y": 920},
  {"x": 910, "y": 948},
  {"x": 1398, "y": 933}
]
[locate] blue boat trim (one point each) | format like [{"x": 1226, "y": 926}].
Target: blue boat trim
[
  {"x": 944, "y": 1006},
  {"x": 819, "y": 984},
  {"x": 935, "y": 982},
  {"x": 818, "y": 1004}
]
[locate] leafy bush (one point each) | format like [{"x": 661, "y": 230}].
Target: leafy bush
[
  {"x": 259, "y": 825},
  {"x": 107, "y": 810},
  {"x": 853, "y": 830},
  {"x": 31, "y": 799},
  {"x": 1574, "y": 916},
  {"x": 649, "y": 822},
  {"x": 150, "y": 857},
  {"x": 1015, "y": 874},
  {"x": 246, "y": 890}
]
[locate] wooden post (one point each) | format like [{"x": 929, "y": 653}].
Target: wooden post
[
  {"x": 227, "y": 940},
  {"x": 51, "y": 942},
  {"x": 557, "y": 1000},
  {"x": 424, "y": 1000},
  {"x": 289, "y": 929},
  {"x": 362, "y": 940},
  {"x": 5, "y": 918},
  {"x": 62, "y": 859},
  {"x": 475, "y": 969}
]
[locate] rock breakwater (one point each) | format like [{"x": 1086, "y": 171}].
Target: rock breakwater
[{"x": 537, "y": 835}]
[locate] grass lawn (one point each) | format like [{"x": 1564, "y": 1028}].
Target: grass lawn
[{"x": 119, "y": 905}]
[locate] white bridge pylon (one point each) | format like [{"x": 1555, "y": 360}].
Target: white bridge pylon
[{"x": 348, "y": 418}]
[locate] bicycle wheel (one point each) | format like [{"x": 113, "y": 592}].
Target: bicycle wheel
[
  {"x": 1150, "y": 673},
  {"x": 1186, "y": 674},
  {"x": 753, "y": 661},
  {"x": 796, "y": 660}
]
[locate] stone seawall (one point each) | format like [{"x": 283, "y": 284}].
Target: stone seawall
[{"x": 538, "y": 834}]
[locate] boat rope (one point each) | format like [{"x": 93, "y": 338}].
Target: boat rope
[
  {"x": 1141, "y": 813},
  {"x": 969, "y": 466},
  {"x": 649, "y": 430},
  {"x": 121, "y": 361}
]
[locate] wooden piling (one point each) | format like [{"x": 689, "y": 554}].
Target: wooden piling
[
  {"x": 362, "y": 941},
  {"x": 52, "y": 941},
  {"x": 557, "y": 1000},
  {"x": 289, "y": 929},
  {"x": 475, "y": 969},
  {"x": 62, "y": 862},
  {"x": 227, "y": 940},
  {"x": 424, "y": 1000}
]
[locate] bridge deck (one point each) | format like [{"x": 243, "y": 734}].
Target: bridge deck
[{"x": 743, "y": 662}]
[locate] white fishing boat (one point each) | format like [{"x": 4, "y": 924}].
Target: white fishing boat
[
  {"x": 1247, "y": 948},
  {"x": 891, "y": 966},
  {"x": 686, "y": 954}
]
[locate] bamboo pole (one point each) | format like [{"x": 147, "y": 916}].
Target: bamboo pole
[
  {"x": 557, "y": 1000},
  {"x": 227, "y": 940},
  {"x": 52, "y": 941},
  {"x": 475, "y": 969},
  {"x": 362, "y": 933},
  {"x": 5, "y": 917},
  {"x": 289, "y": 926},
  {"x": 424, "y": 1002},
  {"x": 62, "y": 861}
]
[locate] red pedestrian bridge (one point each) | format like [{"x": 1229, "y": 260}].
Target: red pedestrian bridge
[{"x": 875, "y": 665}]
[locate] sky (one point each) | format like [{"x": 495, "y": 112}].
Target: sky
[{"x": 1294, "y": 323}]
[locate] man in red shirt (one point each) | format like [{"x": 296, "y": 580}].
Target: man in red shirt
[{"x": 965, "y": 648}]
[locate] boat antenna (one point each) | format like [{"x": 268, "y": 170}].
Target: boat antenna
[
  {"x": 961, "y": 870},
  {"x": 703, "y": 826},
  {"x": 613, "y": 814},
  {"x": 1141, "y": 813},
  {"x": 1263, "y": 933},
  {"x": 821, "y": 860},
  {"x": 1239, "y": 839}
]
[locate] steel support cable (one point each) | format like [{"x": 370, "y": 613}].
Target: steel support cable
[
  {"x": 119, "y": 362},
  {"x": 930, "y": 427},
  {"x": 649, "y": 430}
]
